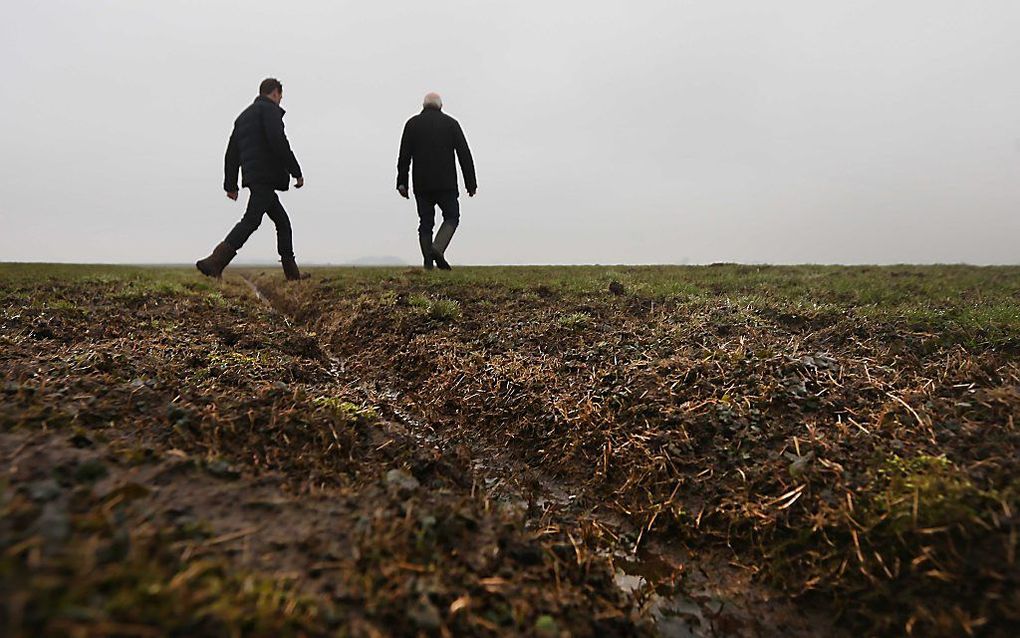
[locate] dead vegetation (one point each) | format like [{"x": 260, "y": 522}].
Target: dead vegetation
[
  {"x": 177, "y": 465},
  {"x": 865, "y": 454},
  {"x": 477, "y": 453}
]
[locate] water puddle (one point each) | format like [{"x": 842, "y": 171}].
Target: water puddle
[{"x": 655, "y": 582}]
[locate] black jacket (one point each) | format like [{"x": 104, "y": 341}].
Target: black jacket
[
  {"x": 260, "y": 148},
  {"x": 430, "y": 138}
]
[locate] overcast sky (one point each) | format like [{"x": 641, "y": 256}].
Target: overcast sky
[{"x": 638, "y": 131}]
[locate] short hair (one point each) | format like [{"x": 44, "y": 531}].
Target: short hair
[
  {"x": 269, "y": 85},
  {"x": 432, "y": 101}
]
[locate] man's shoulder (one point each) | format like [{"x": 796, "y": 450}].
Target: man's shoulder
[
  {"x": 248, "y": 111},
  {"x": 264, "y": 108},
  {"x": 450, "y": 120},
  {"x": 440, "y": 115}
]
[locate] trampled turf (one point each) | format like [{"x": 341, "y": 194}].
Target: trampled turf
[{"x": 725, "y": 450}]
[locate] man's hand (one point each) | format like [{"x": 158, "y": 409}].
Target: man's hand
[
  {"x": 299, "y": 182},
  {"x": 403, "y": 191},
  {"x": 232, "y": 195}
]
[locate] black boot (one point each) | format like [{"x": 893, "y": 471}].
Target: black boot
[
  {"x": 443, "y": 237},
  {"x": 291, "y": 271},
  {"x": 213, "y": 265},
  {"x": 425, "y": 242}
]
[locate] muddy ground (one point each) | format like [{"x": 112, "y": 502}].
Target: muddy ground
[{"x": 603, "y": 451}]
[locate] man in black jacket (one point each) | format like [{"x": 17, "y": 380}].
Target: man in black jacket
[
  {"x": 259, "y": 147},
  {"x": 430, "y": 139}
]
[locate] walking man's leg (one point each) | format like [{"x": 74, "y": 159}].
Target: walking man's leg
[
  {"x": 284, "y": 239},
  {"x": 426, "y": 222},
  {"x": 259, "y": 198},
  {"x": 450, "y": 206}
]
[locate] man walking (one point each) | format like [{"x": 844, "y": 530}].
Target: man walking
[
  {"x": 259, "y": 147},
  {"x": 430, "y": 140}
]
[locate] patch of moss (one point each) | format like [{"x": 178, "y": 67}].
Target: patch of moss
[
  {"x": 346, "y": 410},
  {"x": 151, "y": 589},
  {"x": 922, "y": 492}
]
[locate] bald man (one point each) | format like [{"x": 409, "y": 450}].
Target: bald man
[{"x": 430, "y": 140}]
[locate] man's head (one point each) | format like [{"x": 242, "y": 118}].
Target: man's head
[
  {"x": 272, "y": 89},
  {"x": 433, "y": 101}
]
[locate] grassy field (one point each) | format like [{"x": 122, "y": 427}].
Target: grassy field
[{"x": 718, "y": 450}]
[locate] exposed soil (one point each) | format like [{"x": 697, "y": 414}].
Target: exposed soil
[
  {"x": 401, "y": 456},
  {"x": 863, "y": 462},
  {"x": 154, "y": 442}
]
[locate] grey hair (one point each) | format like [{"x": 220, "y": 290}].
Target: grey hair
[{"x": 432, "y": 101}]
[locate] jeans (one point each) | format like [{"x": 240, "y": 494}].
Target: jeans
[{"x": 263, "y": 200}]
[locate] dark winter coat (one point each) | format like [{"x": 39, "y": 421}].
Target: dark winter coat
[
  {"x": 259, "y": 147},
  {"x": 430, "y": 139}
]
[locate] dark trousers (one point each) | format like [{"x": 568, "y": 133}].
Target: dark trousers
[
  {"x": 427, "y": 202},
  {"x": 263, "y": 200}
]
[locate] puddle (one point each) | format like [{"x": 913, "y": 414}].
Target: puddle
[
  {"x": 696, "y": 595},
  {"x": 655, "y": 581}
]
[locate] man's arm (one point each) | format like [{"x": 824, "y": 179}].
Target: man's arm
[
  {"x": 231, "y": 165},
  {"x": 404, "y": 160},
  {"x": 272, "y": 121},
  {"x": 467, "y": 164}
]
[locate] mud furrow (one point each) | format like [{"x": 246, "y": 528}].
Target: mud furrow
[
  {"x": 684, "y": 594},
  {"x": 778, "y": 416}
]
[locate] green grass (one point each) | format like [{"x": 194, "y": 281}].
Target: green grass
[
  {"x": 954, "y": 298},
  {"x": 437, "y": 309}
]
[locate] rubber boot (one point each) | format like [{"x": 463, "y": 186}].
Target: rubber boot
[
  {"x": 213, "y": 265},
  {"x": 291, "y": 271},
  {"x": 425, "y": 241},
  {"x": 443, "y": 237}
]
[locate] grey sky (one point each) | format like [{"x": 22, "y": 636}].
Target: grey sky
[{"x": 603, "y": 132}]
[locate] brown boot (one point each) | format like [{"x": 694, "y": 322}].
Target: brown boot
[
  {"x": 290, "y": 269},
  {"x": 213, "y": 265}
]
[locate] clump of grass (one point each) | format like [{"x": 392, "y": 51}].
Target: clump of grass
[
  {"x": 574, "y": 320},
  {"x": 237, "y": 359},
  {"x": 419, "y": 302},
  {"x": 437, "y": 309},
  {"x": 388, "y": 298},
  {"x": 144, "y": 288},
  {"x": 60, "y": 304},
  {"x": 444, "y": 309},
  {"x": 216, "y": 298}
]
